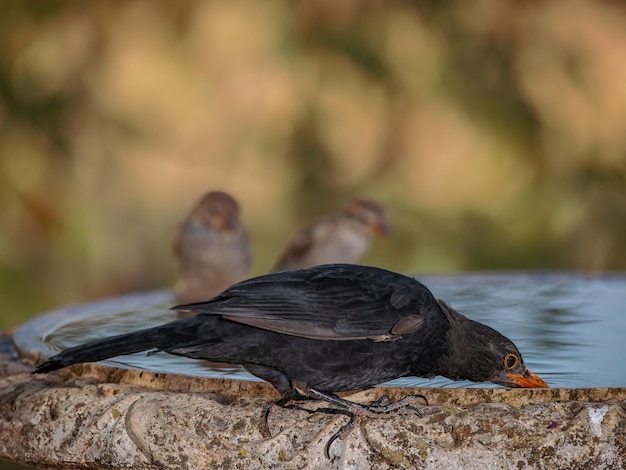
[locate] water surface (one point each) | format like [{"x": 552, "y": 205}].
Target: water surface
[{"x": 569, "y": 328}]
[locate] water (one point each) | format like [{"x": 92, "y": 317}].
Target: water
[{"x": 570, "y": 328}]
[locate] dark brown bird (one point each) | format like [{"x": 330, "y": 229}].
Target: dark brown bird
[
  {"x": 341, "y": 238},
  {"x": 327, "y": 329},
  {"x": 212, "y": 248}
]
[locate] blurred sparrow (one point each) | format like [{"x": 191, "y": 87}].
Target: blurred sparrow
[
  {"x": 341, "y": 238},
  {"x": 212, "y": 248}
]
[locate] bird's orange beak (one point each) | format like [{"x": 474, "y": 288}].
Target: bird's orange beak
[{"x": 527, "y": 380}]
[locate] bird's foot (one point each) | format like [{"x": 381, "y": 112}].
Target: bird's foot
[
  {"x": 359, "y": 412},
  {"x": 356, "y": 412},
  {"x": 379, "y": 408}
]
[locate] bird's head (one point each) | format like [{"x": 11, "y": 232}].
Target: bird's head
[
  {"x": 217, "y": 209},
  {"x": 479, "y": 353},
  {"x": 369, "y": 215}
]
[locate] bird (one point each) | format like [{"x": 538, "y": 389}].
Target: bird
[
  {"x": 212, "y": 248},
  {"x": 317, "y": 331},
  {"x": 343, "y": 237}
]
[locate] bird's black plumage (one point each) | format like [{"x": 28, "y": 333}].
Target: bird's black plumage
[{"x": 331, "y": 328}]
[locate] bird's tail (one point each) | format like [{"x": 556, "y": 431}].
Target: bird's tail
[{"x": 99, "y": 350}]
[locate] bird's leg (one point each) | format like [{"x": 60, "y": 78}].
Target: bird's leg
[{"x": 380, "y": 408}]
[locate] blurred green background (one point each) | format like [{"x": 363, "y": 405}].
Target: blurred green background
[{"x": 494, "y": 131}]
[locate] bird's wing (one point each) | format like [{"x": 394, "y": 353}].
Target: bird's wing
[{"x": 332, "y": 302}]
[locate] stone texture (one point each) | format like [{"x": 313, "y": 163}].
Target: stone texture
[{"x": 91, "y": 416}]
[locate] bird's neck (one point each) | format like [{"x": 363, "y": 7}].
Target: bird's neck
[{"x": 463, "y": 338}]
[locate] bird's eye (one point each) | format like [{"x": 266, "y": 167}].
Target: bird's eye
[{"x": 510, "y": 361}]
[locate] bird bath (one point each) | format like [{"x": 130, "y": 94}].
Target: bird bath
[
  {"x": 569, "y": 328},
  {"x": 565, "y": 325}
]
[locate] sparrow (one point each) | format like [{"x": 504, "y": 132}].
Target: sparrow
[
  {"x": 343, "y": 237},
  {"x": 212, "y": 248}
]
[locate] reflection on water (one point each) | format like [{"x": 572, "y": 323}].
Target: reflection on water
[{"x": 569, "y": 328}]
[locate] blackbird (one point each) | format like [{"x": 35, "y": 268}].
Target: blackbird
[
  {"x": 341, "y": 238},
  {"x": 212, "y": 248},
  {"x": 327, "y": 329}
]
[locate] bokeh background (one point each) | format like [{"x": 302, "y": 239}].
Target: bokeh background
[{"x": 493, "y": 130}]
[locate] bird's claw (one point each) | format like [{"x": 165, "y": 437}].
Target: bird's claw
[
  {"x": 343, "y": 431},
  {"x": 266, "y": 413},
  {"x": 415, "y": 409}
]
